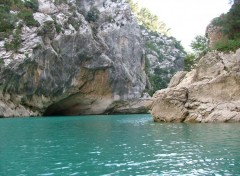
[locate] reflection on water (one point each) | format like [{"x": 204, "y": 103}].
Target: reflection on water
[{"x": 116, "y": 145}]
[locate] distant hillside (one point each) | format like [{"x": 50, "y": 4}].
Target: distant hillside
[{"x": 164, "y": 55}]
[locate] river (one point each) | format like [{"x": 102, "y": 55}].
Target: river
[{"x": 116, "y": 145}]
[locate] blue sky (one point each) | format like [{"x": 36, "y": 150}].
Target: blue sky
[{"x": 186, "y": 18}]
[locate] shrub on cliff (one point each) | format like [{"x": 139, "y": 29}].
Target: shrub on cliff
[
  {"x": 230, "y": 25},
  {"x": 27, "y": 16},
  {"x": 7, "y": 19},
  {"x": 32, "y": 4},
  {"x": 92, "y": 15},
  {"x": 15, "y": 42},
  {"x": 24, "y": 11},
  {"x": 13, "y": 13},
  {"x": 228, "y": 45}
]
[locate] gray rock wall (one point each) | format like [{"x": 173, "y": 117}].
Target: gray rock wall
[
  {"x": 164, "y": 56},
  {"x": 81, "y": 68}
]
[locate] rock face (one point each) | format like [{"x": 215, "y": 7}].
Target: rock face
[
  {"x": 215, "y": 35},
  {"x": 164, "y": 56},
  {"x": 84, "y": 56},
  {"x": 209, "y": 93}
]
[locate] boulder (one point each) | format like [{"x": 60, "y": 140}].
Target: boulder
[{"x": 209, "y": 93}]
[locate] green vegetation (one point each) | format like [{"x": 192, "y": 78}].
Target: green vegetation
[
  {"x": 200, "y": 45},
  {"x": 58, "y": 26},
  {"x": 60, "y": 1},
  {"x": 92, "y": 15},
  {"x": 160, "y": 79},
  {"x": 230, "y": 25},
  {"x": 32, "y": 4},
  {"x": 154, "y": 47},
  {"x": 15, "y": 43},
  {"x": 147, "y": 19},
  {"x": 228, "y": 45},
  {"x": 23, "y": 11},
  {"x": 26, "y": 15},
  {"x": 7, "y": 20},
  {"x": 189, "y": 61}
]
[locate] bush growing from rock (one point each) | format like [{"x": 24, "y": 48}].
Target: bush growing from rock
[
  {"x": 228, "y": 45},
  {"x": 92, "y": 15}
]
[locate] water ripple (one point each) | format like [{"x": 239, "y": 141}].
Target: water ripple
[{"x": 117, "y": 145}]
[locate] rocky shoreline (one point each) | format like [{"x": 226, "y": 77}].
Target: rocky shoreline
[{"x": 209, "y": 93}]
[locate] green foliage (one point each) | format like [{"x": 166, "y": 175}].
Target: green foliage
[
  {"x": 27, "y": 16},
  {"x": 24, "y": 11},
  {"x": 92, "y": 14},
  {"x": 160, "y": 79},
  {"x": 231, "y": 25},
  {"x": 15, "y": 43},
  {"x": 147, "y": 65},
  {"x": 74, "y": 22},
  {"x": 147, "y": 19},
  {"x": 189, "y": 62},
  {"x": 32, "y": 4},
  {"x": 60, "y": 1},
  {"x": 111, "y": 19},
  {"x": 1, "y": 61},
  {"x": 230, "y": 22},
  {"x": 200, "y": 45},
  {"x": 218, "y": 21},
  {"x": 228, "y": 45},
  {"x": 178, "y": 45},
  {"x": 58, "y": 26},
  {"x": 7, "y": 19}
]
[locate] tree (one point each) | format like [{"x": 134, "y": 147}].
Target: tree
[
  {"x": 200, "y": 45},
  {"x": 147, "y": 19},
  {"x": 231, "y": 23},
  {"x": 189, "y": 62}
]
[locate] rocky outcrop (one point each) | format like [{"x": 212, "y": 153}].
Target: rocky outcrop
[
  {"x": 215, "y": 35},
  {"x": 84, "y": 56},
  {"x": 10, "y": 109},
  {"x": 136, "y": 106},
  {"x": 209, "y": 93}
]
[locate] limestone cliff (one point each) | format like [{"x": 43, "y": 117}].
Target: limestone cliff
[
  {"x": 163, "y": 58},
  {"x": 209, "y": 93},
  {"x": 84, "y": 56},
  {"x": 74, "y": 57}
]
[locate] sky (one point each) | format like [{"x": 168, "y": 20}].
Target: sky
[{"x": 186, "y": 18}]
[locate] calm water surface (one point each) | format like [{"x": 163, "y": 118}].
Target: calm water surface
[{"x": 116, "y": 145}]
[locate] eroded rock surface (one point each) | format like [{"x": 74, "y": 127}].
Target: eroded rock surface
[
  {"x": 209, "y": 93},
  {"x": 84, "y": 56}
]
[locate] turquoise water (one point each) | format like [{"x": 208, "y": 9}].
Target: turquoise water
[{"x": 116, "y": 145}]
